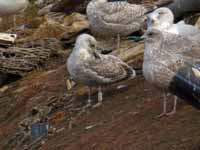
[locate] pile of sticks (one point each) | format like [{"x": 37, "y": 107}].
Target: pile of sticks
[{"x": 19, "y": 61}]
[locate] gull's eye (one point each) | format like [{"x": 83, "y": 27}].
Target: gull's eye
[
  {"x": 161, "y": 13},
  {"x": 150, "y": 33},
  {"x": 92, "y": 45}
]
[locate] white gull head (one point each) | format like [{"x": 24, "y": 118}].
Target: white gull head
[
  {"x": 85, "y": 44},
  {"x": 161, "y": 19},
  {"x": 82, "y": 51}
]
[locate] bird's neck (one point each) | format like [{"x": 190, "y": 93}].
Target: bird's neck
[
  {"x": 165, "y": 25},
  {"x": 152, "y": 50}
]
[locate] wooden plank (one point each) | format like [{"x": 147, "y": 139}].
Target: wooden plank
[{"x": 7, "y": 39}]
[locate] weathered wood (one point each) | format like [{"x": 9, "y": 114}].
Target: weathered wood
[
  {"x": 19, "y": 61},
  {"x": 7, "y": 39},
  {"x": 130, "y": 51}
]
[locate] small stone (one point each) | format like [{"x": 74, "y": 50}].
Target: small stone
[
  {"x": 89, "y": 127},
  {"x": 121, "y": 86},
  {"x": 3, "y": 89},
  {"x": 70, "y": 84}
]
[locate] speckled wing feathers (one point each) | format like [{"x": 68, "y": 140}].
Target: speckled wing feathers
[
  {"x": 181, "y": 46},
  {"x": 180, "y": 43},
  {"x": 115, "y": 18},
  {"x": 109, "y": 69},
  {"x": 121, "y": 12}
]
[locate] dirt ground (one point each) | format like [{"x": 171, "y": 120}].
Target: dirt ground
[{"x": 125, "y": 121}]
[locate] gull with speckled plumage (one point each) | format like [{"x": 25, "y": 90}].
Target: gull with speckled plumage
[
  {"x": 171, "y": 63},
  {"x": 115, "y": 19},
  {"x": 88, "y": 67}
]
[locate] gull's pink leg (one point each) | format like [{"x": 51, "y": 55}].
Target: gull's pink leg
[
  {"x": 174, "y": 107},
  {"x": 164, "y": 107},
  {"x": 89, "y": 98},
  {"x": 118, "y": 41},
  {"x": 100, "y": 97}
]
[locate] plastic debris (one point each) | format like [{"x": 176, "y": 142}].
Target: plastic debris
[{"x": 39, "y": 130}]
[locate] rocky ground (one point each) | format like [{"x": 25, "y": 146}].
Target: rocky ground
[{"x": 41, "y": 111}]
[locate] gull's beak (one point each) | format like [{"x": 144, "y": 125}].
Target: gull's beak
[{"x": 145, "y": 35}]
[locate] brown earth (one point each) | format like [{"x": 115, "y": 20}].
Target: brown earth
[{"x": 125, "y": 121}]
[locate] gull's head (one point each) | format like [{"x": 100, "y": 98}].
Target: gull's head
[
  {"x": 85, "y": 41},
  {"x": 100, "y": 1},
  {"x": 160, "y": 19}
]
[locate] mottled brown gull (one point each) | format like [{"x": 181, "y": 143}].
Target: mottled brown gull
[
  {"x": 171, "y": 63},
  {"x": 87, "y": 66},
  {"x": 163, "y": 19},
  {"x": 115, "y": 19}
]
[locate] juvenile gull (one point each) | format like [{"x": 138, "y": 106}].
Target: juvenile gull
[
  {"x": 163, "y": 19},
  {"x": 87, "y": 66},
  {"x": 12, "y": 7},
  {"x": 172, "y": 63},
  {"x": 115, "y": 19}
]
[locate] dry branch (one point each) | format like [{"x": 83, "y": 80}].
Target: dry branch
[{"x": 19, "y": 61}]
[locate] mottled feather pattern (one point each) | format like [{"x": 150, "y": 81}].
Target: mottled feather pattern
[
  {"x": 87, "y": 66},
  {"x": 177, "y": 44},
  {"x": 109, "y": 69},
  {"x": 119, "y": 12},
  {"x": 164, "y": 56},
  {"x": 113, "y": 18}
]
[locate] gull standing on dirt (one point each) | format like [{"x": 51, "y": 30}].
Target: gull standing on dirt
[
  {"x": 171, "y": 63},
  {"x": 115, "y": 19},
  {"x": 12, "y": 7},
  {"x": 87, "y": 66},
  {"x": 163, "y": 20}
]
